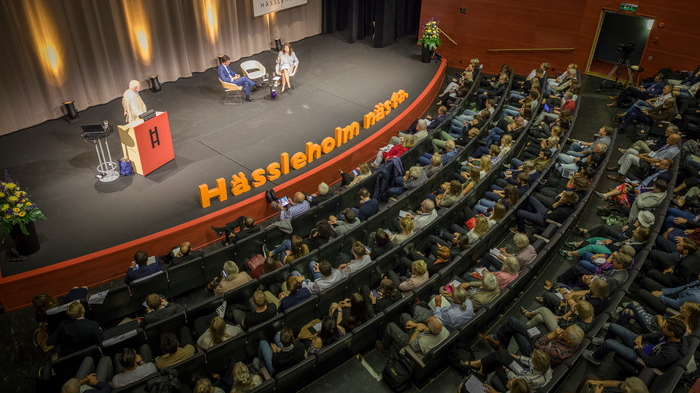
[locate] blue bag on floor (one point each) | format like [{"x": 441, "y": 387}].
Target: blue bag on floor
[{"x": 125, "y": 168}]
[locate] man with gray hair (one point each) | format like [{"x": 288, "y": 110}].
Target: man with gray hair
[
  {"x": 559, "y": 344},
  {"x": 132, "y": 103},
  {"x": 484, "y": 295},
  {"x": 423, "y": 337},
  {"x": 425, "y": 215},
  {"x": 419, "y": 133}
]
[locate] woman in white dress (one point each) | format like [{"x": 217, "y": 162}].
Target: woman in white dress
[{"x": 286, "y": 62}]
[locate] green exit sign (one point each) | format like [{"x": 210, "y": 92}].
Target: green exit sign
[{"x": 628, "y": 7}]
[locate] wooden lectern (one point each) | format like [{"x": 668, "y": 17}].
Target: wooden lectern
[{"x": 148, "y": 144}]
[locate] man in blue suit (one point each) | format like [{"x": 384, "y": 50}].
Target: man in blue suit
[{"x": 226, "y": 74}]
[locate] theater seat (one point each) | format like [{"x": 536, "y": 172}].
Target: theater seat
[{"x": 295, "y": 378}]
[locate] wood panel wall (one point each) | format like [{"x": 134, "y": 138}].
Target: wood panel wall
[{"x": 545, "y": 24}]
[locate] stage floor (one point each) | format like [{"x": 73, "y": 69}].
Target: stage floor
[{"x": 337, "y": 84}]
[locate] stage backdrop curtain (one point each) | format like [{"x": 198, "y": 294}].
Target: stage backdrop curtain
[{"x": 95, "y": 47}]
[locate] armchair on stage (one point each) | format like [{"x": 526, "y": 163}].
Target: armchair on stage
[{"x": 148, "y": 144}]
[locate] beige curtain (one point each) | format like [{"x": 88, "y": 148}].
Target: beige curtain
[{"x": 87, "y": 51}]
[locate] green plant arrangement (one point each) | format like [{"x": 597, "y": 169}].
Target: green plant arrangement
[
  {"x": 431, "y": 35},
  {"x": 15, "y": 207}
]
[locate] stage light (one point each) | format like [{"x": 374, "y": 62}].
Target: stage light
[
  {"x": 221, "y": 59},
  {"x": 278, "y": 44},
  {"x": 71, "y": 113},
  {"x": 46, "y": 42},
  {"x": 139, "y": 30},
  {"x": 210, "y": 16},
  {"x": 155, "y": 84}
]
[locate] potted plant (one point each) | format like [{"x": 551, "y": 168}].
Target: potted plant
[
  {"x": 430, "y": 40},
  {"x": 17, "y": 214}
]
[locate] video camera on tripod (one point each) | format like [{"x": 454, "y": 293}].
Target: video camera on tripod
[{"x": 626, "y": 49}]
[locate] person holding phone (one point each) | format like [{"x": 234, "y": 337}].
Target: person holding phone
[{"x": 289, "y": 209}]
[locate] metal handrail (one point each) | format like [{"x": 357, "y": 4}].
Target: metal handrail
[{"x": 530, "y": 49}]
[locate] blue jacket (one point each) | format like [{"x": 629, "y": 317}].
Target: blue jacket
[{"x": 223, "y": 75}]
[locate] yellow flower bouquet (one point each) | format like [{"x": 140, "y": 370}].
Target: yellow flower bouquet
[{"x": 15, "y": 207}]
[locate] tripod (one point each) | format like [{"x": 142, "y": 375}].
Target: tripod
[{"x": 624, "y": 59}]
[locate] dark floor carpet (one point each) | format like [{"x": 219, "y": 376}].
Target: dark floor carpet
[{"x": 337, "y": 84}]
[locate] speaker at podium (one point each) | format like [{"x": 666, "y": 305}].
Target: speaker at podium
[{"x": 147, "y": 144}]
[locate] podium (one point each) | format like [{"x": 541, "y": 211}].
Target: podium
[{"x": 147, "y": 144}]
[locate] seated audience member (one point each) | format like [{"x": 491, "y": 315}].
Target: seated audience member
[
  {"x": 382, "y": 297},
  {"x": 298, "y": 205},
  {"x": 264, "y": 311},
  {"x": 356, "y": 176},
  {"x": 648, "y": 116},
  {"x": 330, "y": 332},
  {"x": 420, "y": 337},
  {"x": 508, "y": 273},
  {"x": 447, "y": 156},
  {"x": 270, "y": 265},
  {"x": 575, "y": 277},
  {"x": 160, "y": 309},
  {"x": 485, "y": 294},
  {"x": 656, "y": 350},
  {"x": 368, "y": 206},
  {"x": 140, "y": 268},
  {"x": 419, "y": 276},
  {"x": 393, "y": 151},
  {"x": 646, "y": 91},
  {"x": 361, "y": 259},
  {"x": 353, "y": 312},
  {"x": 452, "y": 315},
  {"x": 278, "y": 359},
  {"x": 481, "y": 226},
  {"x": 324, "y": 276},
  {"x": 425, "y": 215},
  {"x": 672, "y": 264},
  {"x": 442, "y": 111},
  {"x": 689, "y": 314},
  {"x": 626, "y": 193},
  {"x": 536, "y": 368},
  {"x": 76, "y": 332},
  {"x": 172, "y": 352},
  {"x": 414, "y": 178},
  {"x": 297, "y": 294},
  {"x": 218, "y": 331},
  {"x": 648, "y": 200},
  {"x": 186, "y": 254},
  {"x": 580, "y": 315},
  {"x": 349, "y": 222},
  {"x": 231, "y": 278},
  {"x": 575, "y": 163},
  {"x": 379, "y": 243},
  {"x": 419, "y": 133},
  {"x": 435, "y": 165},
  {"x": 320, "y": 235},
  {"x": 525, "y": 255},
  {"x": 629, "y": 385},
  {"x": 597, "y": 296},
  {"x": 243, "y": 380},
  {"x": 134, "y": 365},
  {"x": 632, "y": 158},
  {"x": 290, "y": 249},
  {"x": 578, "y": 148},
  {"x": 406, "y": 224},
  {"x": 321, "y": 196},
  {"x": 510, "y": 198},
  {"x": 537, "y": 213},
  {"x": 511, "y": 128},
  {"x": 246, "y": 227},
  {"x": 88, "y": 384},
  {"x": 559, "y": 344},
  {"x": 43, "y": 302},
  {"x": 203, "y": 385}
]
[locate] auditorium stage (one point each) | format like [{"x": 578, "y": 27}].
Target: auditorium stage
[{"x": 337, "y": 84}]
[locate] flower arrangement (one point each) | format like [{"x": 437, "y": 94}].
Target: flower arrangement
[
  {"x": 431, "y": 35},
  {"x": 15, "y": 207}
]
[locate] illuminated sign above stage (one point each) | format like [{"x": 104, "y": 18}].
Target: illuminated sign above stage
[
  {"x": 262, "y": 7},
  {"x": 312, "y": 151}
]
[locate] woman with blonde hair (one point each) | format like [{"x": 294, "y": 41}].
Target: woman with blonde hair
[
  {"x": 481, "y": 226},
  {"x": 364, "y": 171},
  {"x": 395, "y": 151},
  {"x": 231, "y": 278},
  {"x": 406, "y": 225},
  {"x": 204, "y": 386},
  {"x": 499, "y": 211},
  {"x": 218, "y": 332},
  {"x": 581, "y": 315},
  {"x": 419, "y": 276},
  {"x": 484, "y": 165},
  {"x": 243, "y": 381}
]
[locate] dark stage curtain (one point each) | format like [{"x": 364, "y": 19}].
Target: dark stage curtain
[
  {"x": 87, "y": 50},
  {"x": 388, "y": 20}
]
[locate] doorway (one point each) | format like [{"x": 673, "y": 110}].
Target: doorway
[{"x": 620, "y": 37}]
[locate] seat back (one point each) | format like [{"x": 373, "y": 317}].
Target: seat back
[
  {"x": 219, "y": 354},
  {"x": 229, "y": 86},
  {"x": 263, "y": 331},
  {"x": 335, "y": 293},
  {"x": 297, "y": 316},
  {"x": 116, "y": 305},
  {"x": 189, "y": 371},
  {"x": 332, "y": 356},
  {"x": 296, "y": 377},
  {"x": 167, "y": 325},
  {"x": 186, "y": 277},
  {"x": 65, "y": 367},
  {"x": 365, "y": 335},
  {"x": 155, "y": 283},
  {"x": 267, "y": 386},
  {"x": 214, "y": 261},
  {"x": 253, "y": 69}
]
